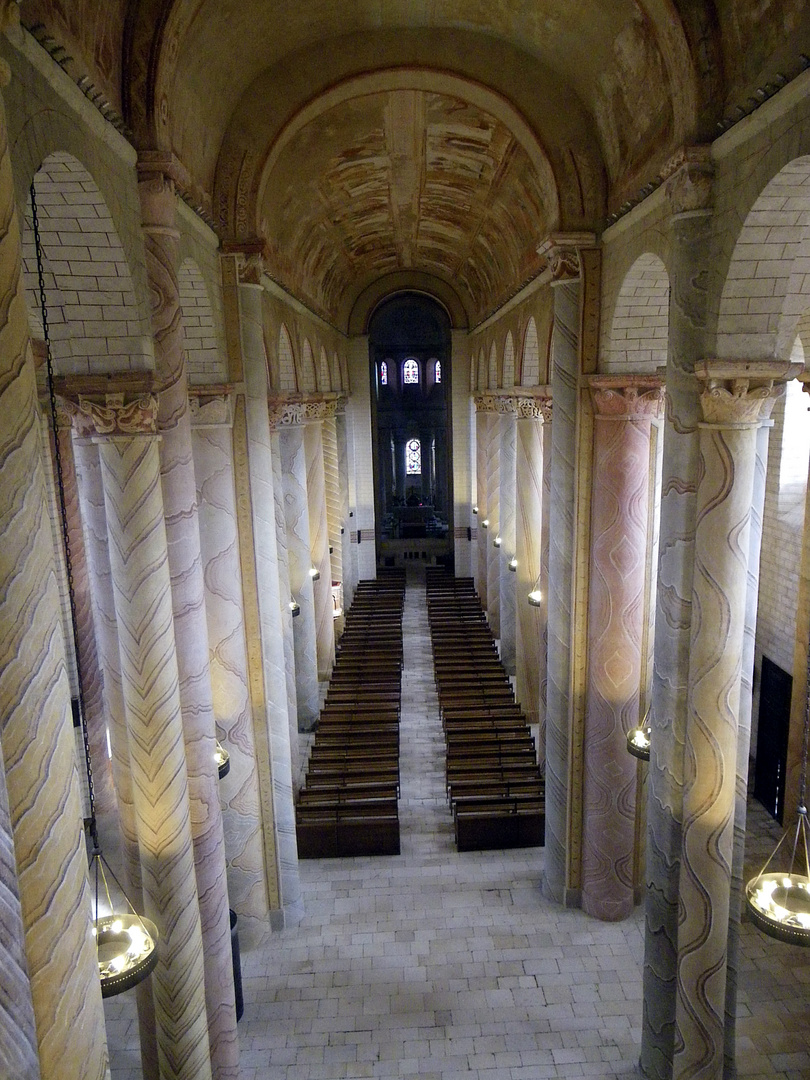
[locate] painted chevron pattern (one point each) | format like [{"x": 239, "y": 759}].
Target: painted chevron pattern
[
  {"x": 138, "y": 556},
  {"x": 319, "y": 547},
  {"x": 494, "y": 515},
  {"x": 482, "y": 421},
  {"x": 508, "y": 613}
]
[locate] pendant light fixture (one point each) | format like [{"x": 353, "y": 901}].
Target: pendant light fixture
[
  {"x": 126, "y": 943},
  {"x": 223, "y": 760},
  {"x": 778, "y": 903},
  {"x": 638, "y": 740}
]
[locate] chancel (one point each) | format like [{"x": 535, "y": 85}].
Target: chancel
[{"x": 404, "y": 405}]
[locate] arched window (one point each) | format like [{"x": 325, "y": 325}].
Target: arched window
[
  {"x": 413, "y": 457},
  {"x": 437, "y": 371},
  {"x": 410, "y": 371},
  {"x": 383, "y": 374}
]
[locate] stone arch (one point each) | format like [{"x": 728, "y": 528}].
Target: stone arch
[
  {"x": 508, "y": 362},
  {"x": 530, "y": 362},
  {"x": 324, "y": 380},
  {"x": 493, "y": 367},
  {"x": 204, "y": 361},
  {"x": 766, "y": 287},
  {"x": 335, "y": 372},
  {"x": 94, "y": 322},
  {"x": 639, "y": 329},
  {"x": 307, "y": 380},
  {"x": 285, "y": 368}
]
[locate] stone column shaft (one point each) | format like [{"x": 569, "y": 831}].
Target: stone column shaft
[
  {"x": 141, "y": 580},
  {"x": 36, "y": 733},
  {"x": 161, "y": 244},
  {"x": 507, "y": 550},
  {"x": 219, "y": 541},
  {"x": 285, "y": 590},
  {"x": 319, "y": 548},
  {"x": 94, "y": 515},
  {"x": 266, "y": 633},
  {"x": 493, "y": 476},
  {"x": 616, "y": 620},
  {"x": 565, "y": 346},
  {"x": 728, "y": 443},
  {"x": 481, "y": 442},
  {"x": 531, "y": 511},
  {"x": 333, "y": 508},
  {"x": 299, "y": 552}
]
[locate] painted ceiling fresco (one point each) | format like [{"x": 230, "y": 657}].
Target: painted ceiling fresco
[{"x": 403, "y": 180}]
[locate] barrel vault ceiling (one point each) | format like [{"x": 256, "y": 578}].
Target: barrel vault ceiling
[{"x": 353, "y": 139}]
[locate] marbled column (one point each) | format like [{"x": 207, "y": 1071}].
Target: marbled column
[
  {"x": 744, "y": 741},
  {"x": 333, "y": 506},
  {"x": 139, "y": 561},
  {"x": 731, "y": 405},
  {"x": 219, "y": 546},
  {"x": 463, "y": 469},
  {"x": 482, "y": 420},
  {"x": 349, "y": 565},
  {"x": 18, "y": 1036},
  {"x": 689, "y": 190},
  {"x": 623, "y": 407},
  {"x": 36, "y": 733},
  {"x": 268, "y": 678},
  {"x": 299, "y": 554},
  {"x": 507, "y": 550},
  {"x": 94, "y": 516},
  {"x": 88, "y": 666},
  {"x": 531, "y": 512},
  {"x": 285, "y": 590},
  {"x": 565, "y": 350},
  {"x": 319, "y": 548},
  {"x": 493, "y": 475},
  {"x": 361, "y": 483},
  {"x": 161, "y": 245}
]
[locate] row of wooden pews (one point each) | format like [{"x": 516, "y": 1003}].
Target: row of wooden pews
[
  {"x": 494, "y": 785},
  {"x": 348, "y": 804}
]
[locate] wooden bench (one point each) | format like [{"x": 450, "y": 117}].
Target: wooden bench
[
  {"x": 364, "y": 828},
  {"x": 509, "y": 822}
]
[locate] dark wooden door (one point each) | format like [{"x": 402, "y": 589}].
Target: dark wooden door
[{"x": 772, "y": 738}]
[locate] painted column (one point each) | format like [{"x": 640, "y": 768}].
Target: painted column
[
  {"x": 319, "y": 544},
  {"x": 286, "y": 613},
  {"x": 212, "y": 424},
  {"x": 268, "y": 609},
  {"x": 299, "y": 554},
  {"x": 36, "y": 734},
  {"x": 689, "y": 192},
  {"x": 141, "y": 580},
  {"x": 361, "y": 484},
  {"x": 493, "y": 530},
  {"x": 349, "y": 564},
  {"x": 737, "y": 898},
  {"x": 533, "y": 413},
  {"x": 333, "y": 509},
  {"x": 482, "y": 419},
  {"x": 91, "y": 677},
  {"x": 623, "y": 406},
  {"x": 565, "y": 269},
  {"x": 507, "y": 550},
  {"x": 18, "y": 1036},
  {"x": 94, "y": 516},
  {"x": 161, "y": 246},
  {"x": 463, "y": 491},
  {"x": 731, "y": 404}
]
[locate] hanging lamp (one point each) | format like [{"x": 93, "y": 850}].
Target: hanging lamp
[
  {"x": 778, "y": 903},
  {"x": 125, "y": 941},
  {"x": 638, "y": 739},
  {"x": 223, "y": 760}
]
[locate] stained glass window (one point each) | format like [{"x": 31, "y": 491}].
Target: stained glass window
[
  {"x": 410, "y": 371},
  {"x": 413, "y": 457},
  {"x": 437, "y": 376},
  {"x": 383, "y": 374}
]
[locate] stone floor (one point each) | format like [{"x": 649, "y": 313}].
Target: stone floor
[{"x": 444, "y": 965}]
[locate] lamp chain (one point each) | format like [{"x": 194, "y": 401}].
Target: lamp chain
[
  {"x": 92, "y": 828},
  {"x": 803, "y": 780}
]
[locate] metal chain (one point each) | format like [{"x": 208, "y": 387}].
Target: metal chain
[
  {"x": 803, "y": 781},
  {"x": 60, "y": 484}
]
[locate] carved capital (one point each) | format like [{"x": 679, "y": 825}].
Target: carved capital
[
  {"x": 210, "y": 410},
  {"x": 633, "y": 397},
  {"x": 689, "y": 175},
  {"x": 561, "y": 252},
  {"x": 742, "y": 391},
  {"x": 116, "y": 416},
  {"x": 284, "y": 412}
]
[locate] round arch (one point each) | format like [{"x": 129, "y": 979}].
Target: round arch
[
  {"x": 384, "y": 288},
  {"x": 639, "y": 329}
]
